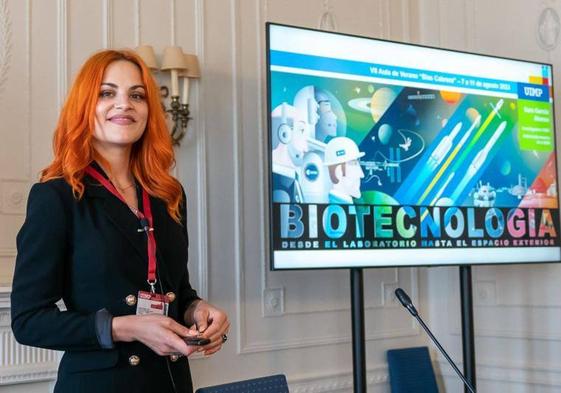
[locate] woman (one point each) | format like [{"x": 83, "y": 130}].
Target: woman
[{"x": 106, "y": 232}]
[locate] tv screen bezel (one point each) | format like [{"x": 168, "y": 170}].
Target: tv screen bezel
[{"x": 269, "y": 174}]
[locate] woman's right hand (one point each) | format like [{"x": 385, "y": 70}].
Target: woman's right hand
[{"x": 160, "y": 333}]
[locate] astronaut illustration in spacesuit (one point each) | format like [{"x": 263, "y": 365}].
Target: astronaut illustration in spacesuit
[
  {"x": 326, "y": 127},
  {"x": 307, "y": 106},
  {"x": 290, "y": 143}
]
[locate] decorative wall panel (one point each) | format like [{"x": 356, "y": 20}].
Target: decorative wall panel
[{"x": 19, "y": 363}]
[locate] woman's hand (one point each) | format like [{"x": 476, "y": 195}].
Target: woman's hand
[
  {"x": 210, "y": 321},
  {"x": 160, "y": 333}
]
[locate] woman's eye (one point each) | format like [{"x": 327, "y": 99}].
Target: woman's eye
[
  {"x": 138, "y": 96},
  {"x": 106, "y": 93}
]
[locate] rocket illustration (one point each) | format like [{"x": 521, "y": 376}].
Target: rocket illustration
[
  {"x": 444, "y": 146},
  {"x": 482, "y": 155}
]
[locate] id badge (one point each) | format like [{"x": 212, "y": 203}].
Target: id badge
[{"x": 151, "y": 303}]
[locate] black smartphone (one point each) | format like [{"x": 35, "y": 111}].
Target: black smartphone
[{"x": 193, "y": 340}]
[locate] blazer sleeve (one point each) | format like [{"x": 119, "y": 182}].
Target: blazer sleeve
[
  {"x": 188, "y": 294},
  {"x": 39, "y": 278}
]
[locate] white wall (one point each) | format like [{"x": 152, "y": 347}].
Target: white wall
[
  {"x": 297, "y": 323},
  {"x": 517, "y": 308}
]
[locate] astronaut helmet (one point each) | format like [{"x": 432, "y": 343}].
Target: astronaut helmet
[
  {"x": 341, "y": 149},
  {"x": 306, "y": 103}
]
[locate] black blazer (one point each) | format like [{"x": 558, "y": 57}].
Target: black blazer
[{"x": 89, "y": 253}]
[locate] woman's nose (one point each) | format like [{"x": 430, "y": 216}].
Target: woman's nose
[{"x": 122, "y": 103}]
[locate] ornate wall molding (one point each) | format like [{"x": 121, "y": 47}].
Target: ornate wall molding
[
  {"x": 14, "y": 196},
  {"x": 5, "y": 41},
  {"x": 384, "y": 21},
  {"x": 523, "y": 334},
  {"x": 173, "y": 22},
  {"x": 202, "y": 187},
  {"x": 338, "y": 382},
  {"x": 327, "y": 340},
  {"x": 327, "y": 19},
  {"x": 62, "y": 50},
  {"x": 485, "y": 301},
  {"x": 29, "y": 102},
  {"x": 470, "y": 22},
  {"x": 406, "y": 24},
  {"x": 548, "y": 29},
  {"x": 527, "y": 375},
  {"x": 4, "y": 305},
  {"x": 441, "y": 21},
  {"x": 107, "y": 23},
  {"x": 387, "y": 296},
  {"x": 136, "y": 22},
  {"x": 240, "y": 285},
  {"x": 8, "y": 252},
  {"x": 20, "y": 363},
  {"x": 272, "y": 296}
]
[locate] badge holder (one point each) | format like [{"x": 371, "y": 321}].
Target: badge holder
[{"x": 152, "y": 303}]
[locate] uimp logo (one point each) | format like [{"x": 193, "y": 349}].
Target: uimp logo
[{"x": 533, "y": 91}]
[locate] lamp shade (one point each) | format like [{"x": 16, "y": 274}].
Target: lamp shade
[
  {"x": 173, "y": 59},
  {"x": 193, "y": 70},
  {"x": 146, "y": 53}
]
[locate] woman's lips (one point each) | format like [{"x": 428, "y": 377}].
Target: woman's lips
[{"x": 122, "y": 120}]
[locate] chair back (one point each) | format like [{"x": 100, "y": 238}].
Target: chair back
[
  {"x": 270, "y": 384},
  {"x": 411, "y": 371}
]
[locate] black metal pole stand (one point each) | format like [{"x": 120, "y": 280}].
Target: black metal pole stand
[
  {"x": 468, "y": 344},
  {"x": 357, "y": 311}
]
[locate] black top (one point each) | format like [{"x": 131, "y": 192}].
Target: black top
[{"x": 90, "y": 253}]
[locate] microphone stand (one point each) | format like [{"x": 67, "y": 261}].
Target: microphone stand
[{"x": 406, "y": 302}]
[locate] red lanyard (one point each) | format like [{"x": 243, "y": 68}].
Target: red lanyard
[{"x": 145, "y": 218}]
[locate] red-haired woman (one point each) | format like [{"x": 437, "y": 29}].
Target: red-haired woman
[{"x": 106, "y": 232}]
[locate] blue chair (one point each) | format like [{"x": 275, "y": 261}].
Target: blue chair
[
  {"x": 411, "y": 371},
  {"x": 270, "y": 384}
]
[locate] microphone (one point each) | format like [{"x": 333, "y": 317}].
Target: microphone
[{"x": 405, "y": 300}]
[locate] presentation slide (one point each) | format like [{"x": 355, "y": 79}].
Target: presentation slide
[{"x": 388, "y": 154}]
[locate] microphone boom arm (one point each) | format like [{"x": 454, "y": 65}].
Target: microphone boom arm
[{"x": 406, "y": 302}]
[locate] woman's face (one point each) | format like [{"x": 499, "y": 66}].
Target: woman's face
[{"x": 121, "y": 110}]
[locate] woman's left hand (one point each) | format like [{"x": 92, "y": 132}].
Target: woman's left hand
[{"x": 211, "y": 322}]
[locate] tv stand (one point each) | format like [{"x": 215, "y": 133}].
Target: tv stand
[
  {"x": 357, "y": 313},
  {"x": 466, "y": 293}
]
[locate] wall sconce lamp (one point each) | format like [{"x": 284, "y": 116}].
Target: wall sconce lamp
[{"x": 179, "y": 65}]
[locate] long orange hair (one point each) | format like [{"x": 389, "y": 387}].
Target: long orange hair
[{"x": 152, "y": 155}]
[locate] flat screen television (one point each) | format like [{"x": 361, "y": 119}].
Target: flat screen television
[{"x": 389, "y": 154}]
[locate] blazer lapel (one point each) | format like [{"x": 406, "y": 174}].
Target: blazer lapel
[
  {"x": 118, "y": 213},
  {"x": 125, "y": 220}
]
